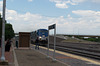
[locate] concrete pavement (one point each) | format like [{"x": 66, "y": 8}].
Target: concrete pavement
[
  {"x": 8, "y": 57},
  {"x": 28, "y": 57}
]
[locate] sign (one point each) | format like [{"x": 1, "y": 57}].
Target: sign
[
  {"x": 52, "y": 27},
  {"x": 49, "y": 28}
]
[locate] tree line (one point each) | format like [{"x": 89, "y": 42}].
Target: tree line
[{"x": 9, "y": 32}]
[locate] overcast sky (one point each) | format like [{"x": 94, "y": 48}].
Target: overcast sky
[{"x": 70, "y": 16}]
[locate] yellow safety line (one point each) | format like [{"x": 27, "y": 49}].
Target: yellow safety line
[{"x": 75, "y": 56}]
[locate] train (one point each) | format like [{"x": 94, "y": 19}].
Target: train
[{"x": 41, "y": 34}]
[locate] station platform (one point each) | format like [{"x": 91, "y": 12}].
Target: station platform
[
  {"x": 33, "y": 57},
  {"x": 70, "y": 59},
  {"x": 9, "y": 58},
  {"x": 29, "y": 57}
]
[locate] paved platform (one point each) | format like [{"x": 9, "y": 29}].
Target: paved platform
[
  {"x": 28, "y": 57},
  {"x": 71, "y": 59},
  {"x": 8, "y": 57},
  {"x": 31, "y": 57}
]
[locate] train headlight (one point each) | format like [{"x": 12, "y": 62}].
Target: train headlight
[{"x": 40, "y": 37}]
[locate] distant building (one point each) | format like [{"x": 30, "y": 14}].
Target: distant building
[
  {"x": 73, "y": 37},
  {"x": 86, "y": 37}
]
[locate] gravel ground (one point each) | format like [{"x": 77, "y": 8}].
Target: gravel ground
[{"x": 27, "y": 57}]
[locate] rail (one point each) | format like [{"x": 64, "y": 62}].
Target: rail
[{"x": 94, "y": 54}]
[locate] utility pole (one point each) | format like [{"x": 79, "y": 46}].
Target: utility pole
[{"x": 3, "y": 32}]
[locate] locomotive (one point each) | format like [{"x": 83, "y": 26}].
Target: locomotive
[{"x": 41, "y": 34}]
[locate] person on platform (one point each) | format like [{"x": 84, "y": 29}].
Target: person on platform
[
  {"x": 8, "y": 45},
  {"x": 17, "y": 44},
  {"x": 37, "y": 44}
]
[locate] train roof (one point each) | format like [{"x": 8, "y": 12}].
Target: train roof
[
  {"x": 42, "y": 29},
  {"x": 37, "y": 30}
]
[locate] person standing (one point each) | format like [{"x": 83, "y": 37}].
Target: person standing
[
  {"x": 8, "y": 45},
  {"x": 37, "y": 44},
  {"x": 17, "y": 44}
]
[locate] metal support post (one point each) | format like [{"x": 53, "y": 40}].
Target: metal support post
[
  {"x": 3, "y": 33},
  {"x": 54, "y": 43},
  {"x": 48, "y": 44},
  {"x": 49, "y": 28}
]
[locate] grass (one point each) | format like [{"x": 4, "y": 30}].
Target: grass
[{"x": 75, "y": 40}]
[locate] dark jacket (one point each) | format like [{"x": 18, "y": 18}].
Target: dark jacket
[
  {"x": 37, "y": 41},
  {"x": 8, "y": 45}
]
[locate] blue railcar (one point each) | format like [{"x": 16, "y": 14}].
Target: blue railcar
[{"x": 41, "y": 34}]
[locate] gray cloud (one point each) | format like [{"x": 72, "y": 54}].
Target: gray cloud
[
  {"x": 30, "y": 22},
  {"x": 88, "y": 23}
]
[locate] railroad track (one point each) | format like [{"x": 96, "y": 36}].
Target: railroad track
[
  {"x": 86, "y": 50},
  {"x": 94, "y": 54}
]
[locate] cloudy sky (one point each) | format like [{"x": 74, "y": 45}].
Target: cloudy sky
[{"x": 70, "y": 16}]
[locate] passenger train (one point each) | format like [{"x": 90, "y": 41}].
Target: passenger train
[{"x": 41, "y": 34}]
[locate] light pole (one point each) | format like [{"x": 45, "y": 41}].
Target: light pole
[{"x": 3, "y": 32}]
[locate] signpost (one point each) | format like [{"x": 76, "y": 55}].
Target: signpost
[{"x": 49, "y": 28}]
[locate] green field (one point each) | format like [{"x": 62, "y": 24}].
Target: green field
[{"x": 76, "y": 40}]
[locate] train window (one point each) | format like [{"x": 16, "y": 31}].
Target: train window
[{"x": 43, "y": 31}]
